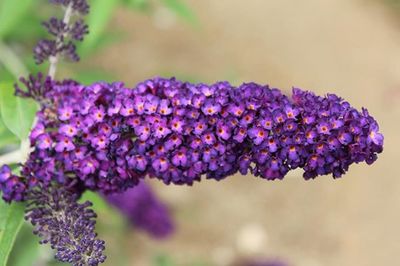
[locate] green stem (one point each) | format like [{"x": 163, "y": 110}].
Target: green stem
[{"x": 54, "y": 59}]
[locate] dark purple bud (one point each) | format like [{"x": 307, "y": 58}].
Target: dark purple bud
[
  {"x": 69, "y": 51},
  {"x": 78, "y": 30},
  {"x": 55, "y": 27}
]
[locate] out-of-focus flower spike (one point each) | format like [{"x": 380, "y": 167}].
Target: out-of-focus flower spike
[
  {"x": 143, "y": 210},
  {"x": 65, "y": 31}
]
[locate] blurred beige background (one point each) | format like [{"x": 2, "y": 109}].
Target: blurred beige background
[{"x": 348, "y": 47}]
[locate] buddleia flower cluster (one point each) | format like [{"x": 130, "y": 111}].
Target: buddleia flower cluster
[
  {"x": 144, "y": 210},
  {"x": 108, "y": 137}
]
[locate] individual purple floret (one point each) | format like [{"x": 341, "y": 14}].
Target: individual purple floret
[
  {"x": 105, "y": 137},
  {"x": 68, "y": 226},
  {"x": 144, "y": 210}
]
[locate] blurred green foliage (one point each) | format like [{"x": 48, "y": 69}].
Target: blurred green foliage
[
  {"x": 11, "y": 220},
  {"x": 6, "y": 137},
  {"x": 20, "y": 29},
  {"x": 11, "y": 14},
  {"x": 16, "y": 113},
  {"x": 26, "y": 249}
]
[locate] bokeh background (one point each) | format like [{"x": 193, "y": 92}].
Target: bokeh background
[{"x": 347, "y": 47}]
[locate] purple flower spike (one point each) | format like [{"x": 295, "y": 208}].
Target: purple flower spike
[
  {"x": 66, "y": 225},
  {"x": 106, "y": 136},
  {"x": 144, "y": 210},
  {"x": 64, "y": 34}
]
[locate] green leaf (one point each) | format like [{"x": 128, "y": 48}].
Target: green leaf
[
  {"x": 100, "y": 14},
  {"x": 7, "y": 138},
  {"x": 26, "y": 248},
  {"x": 31, "y": 31},
  {"x": 11, "y": 219},
  {"x": 17, "y": 113},
  {"x": 182, "y": 10},
  {"x": 11, "y": 12}
]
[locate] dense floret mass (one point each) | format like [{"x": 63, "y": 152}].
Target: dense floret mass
[{"x": 105, "y": 137}]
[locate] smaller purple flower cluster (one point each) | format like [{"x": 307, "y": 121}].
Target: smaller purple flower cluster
[
  {"x": 11, "y": 185},
  {"x": 143, "y": 210},
  {"x": 68, "y": 226},
  {"x": 64, "y": 33},
  {"x": 37, "y": 87},
  {"x": 105, "y": 137}
]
